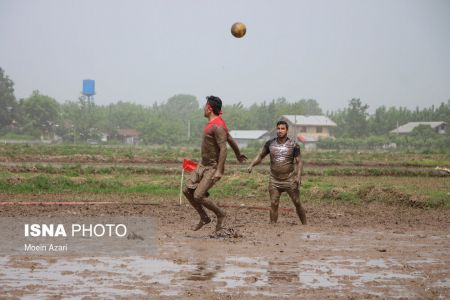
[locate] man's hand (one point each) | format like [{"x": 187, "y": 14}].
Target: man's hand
[
  {"x": 249, "y": 169},
  {"x": 241, "y": 158},
  {"x": 217, "y": 176},
  {"x": 298, "y": 179}
]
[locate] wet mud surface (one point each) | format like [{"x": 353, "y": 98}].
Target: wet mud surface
[{"x": 346, "y": 251}]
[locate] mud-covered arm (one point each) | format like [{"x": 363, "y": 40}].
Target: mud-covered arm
[
  {"x": 298, "y": 164},
  {"x": 257, "y": 160},
  {"x": 240, "y": 157},
  {"x": 221, "y": 138}
]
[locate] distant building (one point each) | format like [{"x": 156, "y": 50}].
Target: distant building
[
  {"x": 104, "y": 137},
  {"x": 244, "y": 137},
  {"x": 128, "y": 136},
  {"x": 309, "y": 129},
  {"x": 439, "y": 127}
]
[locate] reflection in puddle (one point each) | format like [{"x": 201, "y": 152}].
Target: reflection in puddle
[
  {"x": 102, "y": 276},
  {"x": 283, "y": 272},
  {"x": 146, "y": 276},
  {"x": 204, "y": 272},
  {"x": 445, "y": 283},
  {"x": 240, "y": 272}
]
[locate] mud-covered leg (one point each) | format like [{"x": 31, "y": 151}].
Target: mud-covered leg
[
  {"x": 274, "y": 194},
  {"x": 200, "y": 195},
  {"x": 219, "y": 212},
  {"x": 204, "y": 219},
  {"x": 294, "y": 194}
]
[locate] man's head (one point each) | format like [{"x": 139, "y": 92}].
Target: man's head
[
  {"x": 282, "y": 129},
  {"x": 213, "y": 106}
]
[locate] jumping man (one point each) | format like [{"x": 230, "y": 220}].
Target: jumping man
[
  {"x": 211, "y": 168},
  {"x": 285, "y": 170}
]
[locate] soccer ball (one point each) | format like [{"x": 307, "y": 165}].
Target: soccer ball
[{"x": 238, "y": 29}]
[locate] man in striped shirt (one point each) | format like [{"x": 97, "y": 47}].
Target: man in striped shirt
[{"x": 285, "y": 170}]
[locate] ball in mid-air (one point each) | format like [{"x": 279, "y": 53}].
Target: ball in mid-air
[{"x": 238, "y": 29}]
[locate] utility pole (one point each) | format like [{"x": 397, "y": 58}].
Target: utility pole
[
  {"x": 295, "y": 128},
  {"x": 189, "y": 130}
]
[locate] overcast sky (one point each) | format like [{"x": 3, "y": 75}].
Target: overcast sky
[{"x": 393, "y": 53}]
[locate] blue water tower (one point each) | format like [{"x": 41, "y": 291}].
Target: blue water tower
[{"x": 89, "y": 87}]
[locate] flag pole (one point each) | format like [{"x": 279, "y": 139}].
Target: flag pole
[{"x": 181, "y": 183}]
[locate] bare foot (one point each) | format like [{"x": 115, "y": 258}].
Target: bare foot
[{"x": 200, "y": 224}]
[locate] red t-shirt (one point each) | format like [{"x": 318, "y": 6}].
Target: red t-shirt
[{"x": 217, "y": 121}]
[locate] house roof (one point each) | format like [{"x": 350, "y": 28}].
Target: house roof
[
  {"x": 128, "y": 132},
  {"x": 409, "y": 127},
  {"x": 247, "y": 134},
  {"x": 309, "y": 120}
]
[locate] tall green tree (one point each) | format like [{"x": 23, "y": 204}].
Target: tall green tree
[
  {"x": 352, "y": 121},
  {"x": 443, "y": 114},
  {"x": 81, "y": 119},
  {"x": 8, "y": 104},
  {"x": 357, "y": 118},
  {"x": 237, "y": 117},
  {"x": 181, "y": 106},
  {"x": 307, "y": 107},
  {"x": 41, "y": 114}
]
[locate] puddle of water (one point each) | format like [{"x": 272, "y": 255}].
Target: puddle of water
[
  {"x": 445, "y": 283},
  {"x": 311, "y": 236},
  {"x": 204, "y": 272},
  {"x": 423, "y": 261},
  {"x": 379, "y": 263},
  {"x": 144, "y": 276},
  {"x": 312, "y": 279},
  {"x": 99, "y": 276},
  {"x": 247, "y": 260},
  {"x": 240, "y": 272}
]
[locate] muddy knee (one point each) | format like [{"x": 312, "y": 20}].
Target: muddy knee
[
  {"x": 273, "y": 212},
  {"x": 199, "y": 195},
  {"x": 301, "y": 213},
  {"x": 187, "y": 191}
]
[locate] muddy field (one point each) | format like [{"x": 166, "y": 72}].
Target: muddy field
[{"x": 346, "y": 251}]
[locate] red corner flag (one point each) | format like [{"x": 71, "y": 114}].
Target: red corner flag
[{"x": 189, "y": 165}]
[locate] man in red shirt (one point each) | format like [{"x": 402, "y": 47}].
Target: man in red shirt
[{"x": 211, "y": 168}]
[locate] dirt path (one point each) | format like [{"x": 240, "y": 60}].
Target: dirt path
[{"x": 364, "y": 251}]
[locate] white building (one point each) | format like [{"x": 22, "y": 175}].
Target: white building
[
  {"x": 407, "y": 128},
  {"x": 309, "y": 129},
  {"x": 244, "y": 137}
]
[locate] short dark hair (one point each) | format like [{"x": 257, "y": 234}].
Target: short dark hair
[
  {"x": 215, "y": 103},
  {"x": 281, "y": 122}
]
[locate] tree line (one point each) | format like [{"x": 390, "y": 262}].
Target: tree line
[{"x": 179, "y": 120}]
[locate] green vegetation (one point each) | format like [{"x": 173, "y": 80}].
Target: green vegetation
[
  {"x": 73, "y": 170},
  {"x": 353, "y": 168},
  {"x": 19, "y": 137},
  {"x": 150, "y": 154},
  {"x": 410, "y": 191},
  {"x": 179, "y": 120}
]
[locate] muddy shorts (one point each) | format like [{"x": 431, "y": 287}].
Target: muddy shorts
[
  {"x": 276, "y": 187},
  {"x": 201, "y": 180},
  {"x": 286, "y": 185}
]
